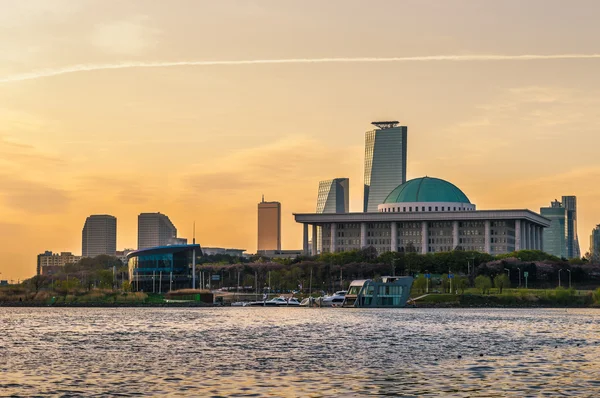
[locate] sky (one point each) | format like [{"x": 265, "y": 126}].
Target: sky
[{"x": 203, "y": 142}]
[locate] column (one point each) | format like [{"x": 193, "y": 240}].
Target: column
[
  {"x": 531, "y": 236},
  {"x": 486, "y": 237},
  {"x": 542, "y": 238},
  {"x": 333, "y": 237},
  {"x": 424, "y": 237},
  {"x": 315, "y": 234},
  {"x": 454, "y": 234},
  {"x": 363, "y": 235},
  {"x": 535, "y": 237},
  {"x": 527, "y": 236},
  {"x": 305, "y": 239},
  {"x": 517, "y": 235},
  {"x": 394, "y": 234}
]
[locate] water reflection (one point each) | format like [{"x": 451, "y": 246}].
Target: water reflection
[{"x": 299, "y": 352}]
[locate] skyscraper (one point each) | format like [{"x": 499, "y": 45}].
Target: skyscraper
[
  {"x": 570, "y": 203},
  {"x": 595, "y": 244},
  {"x": 156, "y": 229},
  {"x": 555, "y": 236},
  {"x": 269, "y": 225},
  {"x": 385, "y": 162},
  {"x": 333, "y": 197},
  {"x": 99, "y": 236}
]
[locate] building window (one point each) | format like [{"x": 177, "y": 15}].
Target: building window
[
  {"x": 429, "y": 208},
  {"x": 436, "y": 208},
  {"x": 423, "y": 208},
  {"x": 404, "y": 208}
]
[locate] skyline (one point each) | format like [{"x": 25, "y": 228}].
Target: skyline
[{"x": 203, "y": 144}]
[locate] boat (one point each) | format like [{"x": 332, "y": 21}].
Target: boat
[
  {"x": 335, "y": 300},
  {"x": 275, "y": 302},
  {"x": 384, "y": 292}
]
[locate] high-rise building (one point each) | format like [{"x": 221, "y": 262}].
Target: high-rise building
[
  {"x": 385, "y": 162},
  {"x": 555, "y": 236},
  {"x": 48, "y": 261},
  {"x": 570, "y": 203},
  {"x": 595, "y": 244},
  {"x": 269, "y": 225},
  {"x": 333, "y": 197},
  {"x": 99, "y": 236},
  {"x": 156, "y": 229}
]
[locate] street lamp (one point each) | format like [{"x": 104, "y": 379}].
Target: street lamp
[
  {"x": 519, "y": 276},
  {"x": 508, "y": 271},
  {"x": 569, "y": 271},
  {"x": 559, "y": 277}
]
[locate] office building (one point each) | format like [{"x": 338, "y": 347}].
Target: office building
[
  {"x": 333, "y": 197},
  {"x": 99, "y": 236},
  {"x": 49, "y": 260},
  {"x": 385, "y": 162},
  {"x": 164, "y": 268},
  {"x": 426, "y": 215},
  {"x": 595, "y": 245},
  {"x": 555, "y": 236},
  {"x": 122, "y": 255},
  {"x": 570, "y": 203},
  {"x": 269, "y": 225},
  {"x": 156, "y": 229}
]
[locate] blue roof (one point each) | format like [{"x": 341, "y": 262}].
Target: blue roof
[{"x": 164, "y": 249}]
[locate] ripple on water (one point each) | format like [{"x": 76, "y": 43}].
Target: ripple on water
[{"x": 298, "y": 352}]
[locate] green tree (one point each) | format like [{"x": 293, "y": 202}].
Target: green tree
[
  {"x": 483, "y": 283},
  {"x": 420, "y": 283},
  {"x": 445, "y": 283},
  {"x": 462, "y": 282},
  {"x": 126, "y": 286},
  {"x": 501, "y": 282}
]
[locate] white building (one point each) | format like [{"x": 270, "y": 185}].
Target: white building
[{"x": 426, "y": 215}]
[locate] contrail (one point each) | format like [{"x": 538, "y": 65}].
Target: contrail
[{"x": 127, "y": 65}]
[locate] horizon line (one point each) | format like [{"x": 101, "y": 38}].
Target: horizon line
[{"x": 170, "y": 64}]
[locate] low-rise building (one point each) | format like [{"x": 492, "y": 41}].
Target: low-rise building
[
  {"x": 280, "y": 253},
  {"x": 49, "y": 259},
  {"x": 211, "y": 251}
]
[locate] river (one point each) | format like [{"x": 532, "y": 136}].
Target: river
[{"x": 299, "y": 352}]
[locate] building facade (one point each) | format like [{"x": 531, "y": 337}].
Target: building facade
[
  {"x": 555, "y": 236},
  {"x": 51, "y": 261},
  {"x": 385, "y": 162},
  {"x": 595, "y": 244},
  {"x": 269, "y": 225},
  {"x": 164, "y": 268},
  {"x": 333, "y": 197},
  {"x": 427, "y": 215},
  {"x": 99, "y": 236},
  {"x": 570, "y": 203},
  {"x": 156, "y": 229}
]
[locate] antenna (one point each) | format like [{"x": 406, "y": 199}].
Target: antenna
[
  {"x": 263, "y": 198},
  {"x": 194, "y": 234}
]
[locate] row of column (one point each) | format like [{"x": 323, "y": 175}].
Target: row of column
[{"x": 528, "y": 236}]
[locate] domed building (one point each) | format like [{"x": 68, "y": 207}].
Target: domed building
[{"x": 425, "y": 215}]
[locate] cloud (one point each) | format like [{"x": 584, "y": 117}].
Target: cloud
[
  {"x": 32, "y": 197},
  {"x": 18, "y": 156},
  {"x": 127, "y": 37},
  {"x": 132, "y": 44}
]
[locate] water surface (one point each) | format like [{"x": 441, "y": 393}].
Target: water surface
[{"x": 298, "y": 352}]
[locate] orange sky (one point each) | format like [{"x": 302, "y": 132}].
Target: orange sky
[{"x": 205, "y": 142}]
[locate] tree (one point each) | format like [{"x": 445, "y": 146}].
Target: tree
[
  {"x": 483, "y": 283},
  {"x": 501, "y": 281},
  {"x": 126, "y": 286},
  {"x": 420, "y": 283},
  {"x": 462, "y": 282}
]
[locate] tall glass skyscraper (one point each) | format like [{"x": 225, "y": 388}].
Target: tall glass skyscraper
[
  {"x": 570, "y": 203},
  {"x": 333, "y": 197},
  {"x": 555, "y": 236},
  {"x": 385, "y": 162},
  {"x": 99, "y": 236}
]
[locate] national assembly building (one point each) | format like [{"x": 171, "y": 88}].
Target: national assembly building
[{"x": 423, "y": 215}]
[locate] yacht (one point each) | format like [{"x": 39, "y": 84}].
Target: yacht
[
  {"x": 275, "y": 302},
  {"x": 384, "y": 292},
  {"x": 335, "y": 300}
]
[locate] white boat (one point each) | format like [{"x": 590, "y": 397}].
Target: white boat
[
  {"x": 275, "y": 302},
  {"x": 335, "y": 300}
]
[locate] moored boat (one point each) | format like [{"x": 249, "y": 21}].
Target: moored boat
[{"x": 384, "y": 292}]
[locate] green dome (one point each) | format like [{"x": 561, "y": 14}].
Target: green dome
[{"x": 426, "y": 189}]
